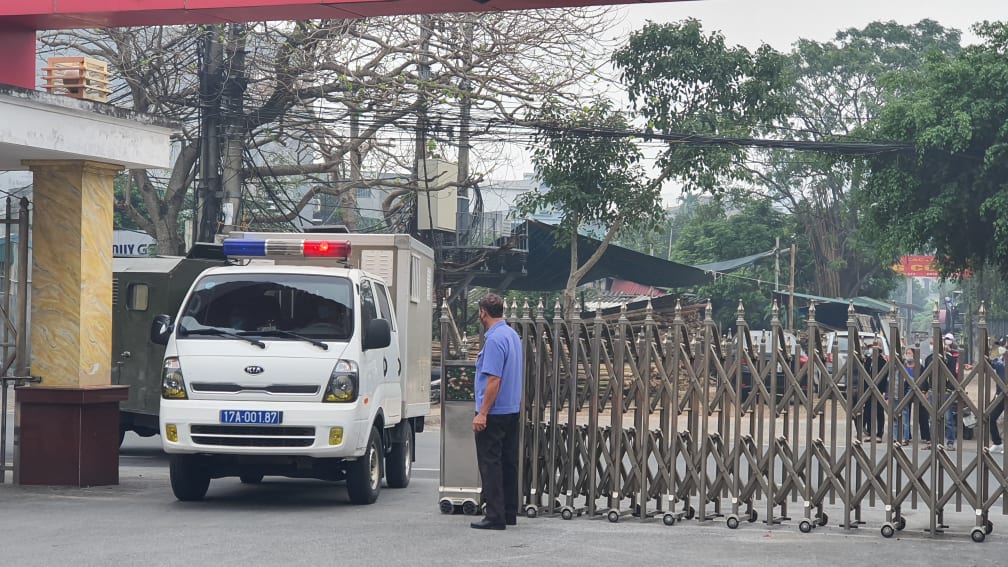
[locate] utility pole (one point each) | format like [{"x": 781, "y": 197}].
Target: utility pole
[
  {"x": 791, "y": 302},
  {"x": 209, "y": 190},
  {"x": 235, "y": 129},
  {"x": 463, "y": 222},
  {"x": 420, "y": 150},
  {"x": 776, "y": 273},
  {"x": 909, "y": 309}
]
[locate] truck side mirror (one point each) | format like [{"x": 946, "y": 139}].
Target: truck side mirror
[
  {"x": 378, "y": 334},
  {"x": 161, "y": 329}
]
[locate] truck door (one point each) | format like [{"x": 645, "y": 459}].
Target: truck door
[
  {"x": 385, "y": 312},
  {"x": 378, "y": 367}
]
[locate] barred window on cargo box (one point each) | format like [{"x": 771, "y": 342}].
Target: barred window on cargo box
[{"x": 414, "y": 279}]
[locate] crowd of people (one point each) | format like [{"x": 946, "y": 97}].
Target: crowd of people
[{"x": 907, "y": 407}]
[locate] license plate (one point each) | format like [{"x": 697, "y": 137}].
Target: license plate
[{"x": 264, "y": 417}]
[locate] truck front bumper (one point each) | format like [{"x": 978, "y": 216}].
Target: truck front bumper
[{"x": 305, "y": 429}]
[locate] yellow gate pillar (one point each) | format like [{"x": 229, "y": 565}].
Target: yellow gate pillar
[{"x": 69, "y": 423}]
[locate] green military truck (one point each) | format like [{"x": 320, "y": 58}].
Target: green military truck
[{"x": 142, "y": 287}]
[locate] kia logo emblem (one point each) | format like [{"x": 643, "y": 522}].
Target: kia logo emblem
[{"x": 254, "y": 370}]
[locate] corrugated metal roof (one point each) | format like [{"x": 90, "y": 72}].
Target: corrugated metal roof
[{"x": 863, "y": 302}]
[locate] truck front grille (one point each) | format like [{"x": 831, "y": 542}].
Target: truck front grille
[
  {"x": 229, "y": 388},
  {"x": 252, "y": 436}
]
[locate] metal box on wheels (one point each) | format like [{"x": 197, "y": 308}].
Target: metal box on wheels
[{"x": 459, "y": 487}]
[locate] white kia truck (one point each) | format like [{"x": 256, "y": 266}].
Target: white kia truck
[{"x": 308, "y": 358}]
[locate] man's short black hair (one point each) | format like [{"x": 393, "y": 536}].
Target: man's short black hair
[{"x": 493, "y": 305}]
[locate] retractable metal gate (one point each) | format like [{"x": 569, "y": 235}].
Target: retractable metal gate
[
  {"x": 15, "y": 273},
  {"x": 639, "y": 419}
]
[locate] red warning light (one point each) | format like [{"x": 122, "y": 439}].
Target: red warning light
[{"x": 326, "y": 249}]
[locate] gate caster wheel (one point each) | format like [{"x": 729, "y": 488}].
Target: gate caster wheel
[
  {"x": 567, "y": 513},
  {"x": 668, "y": 520},
  {"x": 988, "y": 526},
  {"x": 901, "y": 524},
  {"x": 446, "y": 506},
  {"x": 469, "y": 508},
  {"x": 805, "y": 527},
  {"x": 753, "y": 516},
  {"x": 613, "y": 516},
  {"x": 978, "y": 535},
  {"x": 822, "y": 519},
  {"x": 531, "y": 511},
  {"x": 690, "y": 513},
  {"x": 732, "y": 522},
  {"x": 888, "y": 530}
]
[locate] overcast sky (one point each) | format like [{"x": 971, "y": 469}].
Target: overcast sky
[{"x": 781, "y": 22}]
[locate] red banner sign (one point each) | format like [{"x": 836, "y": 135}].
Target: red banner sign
[{"x": 917, "y": 266}]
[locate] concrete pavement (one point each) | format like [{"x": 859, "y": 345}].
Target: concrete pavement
[{"x": 296, "y": 522}]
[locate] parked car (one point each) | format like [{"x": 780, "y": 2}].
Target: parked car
[
  {"x": 838, "y": 345},
  {"x": 762, "y": 346}
]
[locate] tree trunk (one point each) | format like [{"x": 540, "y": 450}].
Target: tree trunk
[{"x": 578, "y": 273}]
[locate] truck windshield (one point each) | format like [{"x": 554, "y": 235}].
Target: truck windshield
[{"x": 280, "y": 306}]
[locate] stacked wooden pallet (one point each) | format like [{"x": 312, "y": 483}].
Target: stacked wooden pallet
[{"x": 77, "y": 77}]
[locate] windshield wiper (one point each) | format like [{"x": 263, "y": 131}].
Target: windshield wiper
[
  {"x": 221, "y": 332},
  {"x": 319, "y": 344}
]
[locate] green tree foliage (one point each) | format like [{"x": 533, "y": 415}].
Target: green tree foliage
[
  {"x": 684, "y": 81},
  {"x": 950, "y": 195},
  {"x": 837, "y": 90},
  {"x": 716, "y": 231},
  {"x": 681, "y": 80},
  {"x": 592, "y": 180}
]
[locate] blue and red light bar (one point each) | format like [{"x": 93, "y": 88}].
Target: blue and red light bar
[{"x": 277, "y": 247}]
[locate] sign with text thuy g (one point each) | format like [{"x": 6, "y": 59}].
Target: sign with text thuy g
[{"x": 917, "y": 266}]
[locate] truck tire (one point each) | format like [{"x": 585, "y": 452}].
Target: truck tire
[
  {"x": 190, "y": 479},
  {"x": 364, "y": 475},
  {"x": 399, "y": 461}
]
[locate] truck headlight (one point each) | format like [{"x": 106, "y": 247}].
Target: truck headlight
[
  {"x": 172, "y": 383},
  {"x": 343, "y": 381}
]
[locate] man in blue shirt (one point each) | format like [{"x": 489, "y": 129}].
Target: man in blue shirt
[{"x": 498, "y": 404}]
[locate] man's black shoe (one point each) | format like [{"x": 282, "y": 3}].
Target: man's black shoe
[
  {"x": 486, "y": 524},
  {"x": 512, "y": 521}
]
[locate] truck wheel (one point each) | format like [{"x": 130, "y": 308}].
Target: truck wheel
[
  {"x": 364, "y": 475},
  {"x": 399, "y": 461},
  {"x": 189, "y": 478}
]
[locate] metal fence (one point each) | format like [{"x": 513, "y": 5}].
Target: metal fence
[
  {"x": 632, "y": 418},
  {"x": 15, "y": 296}
]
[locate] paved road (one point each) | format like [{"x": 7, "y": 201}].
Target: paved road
[{"x": 285, "y": 522}]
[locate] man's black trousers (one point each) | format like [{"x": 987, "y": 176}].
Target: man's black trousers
[{"x": 497, "y": 456}]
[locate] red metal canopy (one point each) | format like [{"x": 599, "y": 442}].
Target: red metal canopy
[
  {"x": 72, "y": 14},
  {"x": 20, "y": 19}
]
